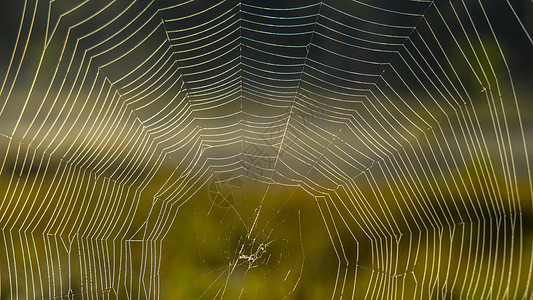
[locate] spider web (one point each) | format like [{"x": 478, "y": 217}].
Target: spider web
[{"x": 281, "y": 149}]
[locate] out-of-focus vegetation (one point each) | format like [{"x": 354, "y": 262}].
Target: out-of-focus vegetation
[{"x": 112, "y": 209}]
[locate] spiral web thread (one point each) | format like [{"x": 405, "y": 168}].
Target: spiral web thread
[{"x": 406, "y": 122}]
